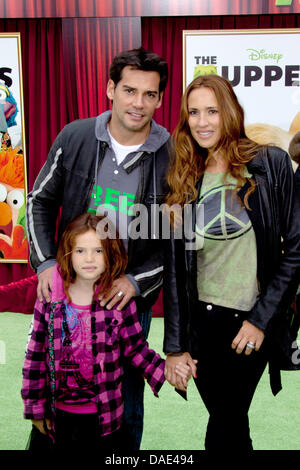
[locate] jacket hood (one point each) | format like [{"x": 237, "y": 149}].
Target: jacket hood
[{"x": 157, "y": 138}]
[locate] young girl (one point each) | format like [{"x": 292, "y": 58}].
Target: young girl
[{"x": 72, "y": 376}]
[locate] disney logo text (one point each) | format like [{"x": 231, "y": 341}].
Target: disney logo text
[{"x": 263, "y": 55}]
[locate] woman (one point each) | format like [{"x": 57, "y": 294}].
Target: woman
[{"x": 225, "y": 301}]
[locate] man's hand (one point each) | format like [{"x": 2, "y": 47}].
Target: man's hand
[
  {"x": 248, "y": 333},
  {"x": 45, "y": 284},
  {"x": 40, "y": 424},
  {"x": 122, "y": 290},
  {"x": 172, "y": 369}
]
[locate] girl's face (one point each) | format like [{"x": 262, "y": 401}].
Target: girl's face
[
  {"x": 87, "y": 257},
  {"x": 204, "y": 118}
]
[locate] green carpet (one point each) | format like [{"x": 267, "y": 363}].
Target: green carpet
[{"x": 170, "y": 421}]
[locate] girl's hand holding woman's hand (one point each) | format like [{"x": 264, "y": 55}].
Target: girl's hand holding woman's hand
[{"x": 249, "y": 337}]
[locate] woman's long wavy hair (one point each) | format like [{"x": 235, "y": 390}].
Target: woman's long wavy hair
[
  {"x": 114, "y": 252},
  {"x": 189, "y": 160}
]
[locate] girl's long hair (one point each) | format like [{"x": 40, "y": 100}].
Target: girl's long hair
[
  {"x": 189, "y": 160},
  {"x": 114, "y": 252}
]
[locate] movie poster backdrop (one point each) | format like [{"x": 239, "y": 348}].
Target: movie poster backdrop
[{"x": 264, "y": 69}]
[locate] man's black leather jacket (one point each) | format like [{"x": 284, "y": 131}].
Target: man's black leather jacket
[{"x": 275, "y": 216}]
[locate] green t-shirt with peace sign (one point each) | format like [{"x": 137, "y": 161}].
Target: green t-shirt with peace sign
[{"x": 226, "y": 246}]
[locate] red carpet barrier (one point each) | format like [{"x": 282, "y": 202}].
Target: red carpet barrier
[{"x": 19, "y": 296}]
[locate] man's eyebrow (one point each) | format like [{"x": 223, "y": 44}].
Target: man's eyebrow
[
  {"x": 155, "y": 92},
  {"x": 128, "y": 87}
]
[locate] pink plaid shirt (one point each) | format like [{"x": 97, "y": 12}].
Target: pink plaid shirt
[{"x": 114, "y": 334}]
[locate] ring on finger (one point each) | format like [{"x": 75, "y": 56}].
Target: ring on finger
[
  {"x": 250, "y": 345},
  {"x": 120, "y": 294}
]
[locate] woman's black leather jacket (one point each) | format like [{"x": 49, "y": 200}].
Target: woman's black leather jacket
[{"x": 275, "y": 216}]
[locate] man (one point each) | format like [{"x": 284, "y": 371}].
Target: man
[{"x": 113, "y": 161}]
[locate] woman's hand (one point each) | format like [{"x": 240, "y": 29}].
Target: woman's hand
[
  {"x": 41, "y": 424},
  {"x": 178, "y": 370},
  {"x": 248, "y": 333}
]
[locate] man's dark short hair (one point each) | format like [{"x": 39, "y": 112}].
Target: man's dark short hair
[{"x": 139, "y": 59}]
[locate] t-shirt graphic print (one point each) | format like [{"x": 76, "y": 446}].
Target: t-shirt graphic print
[{"x": 226, "y": 245}]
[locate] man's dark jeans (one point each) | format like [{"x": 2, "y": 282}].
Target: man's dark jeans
[{"x": 133, "y": 395}]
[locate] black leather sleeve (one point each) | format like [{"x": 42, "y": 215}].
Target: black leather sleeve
[{"x": 284, "y": 278}]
